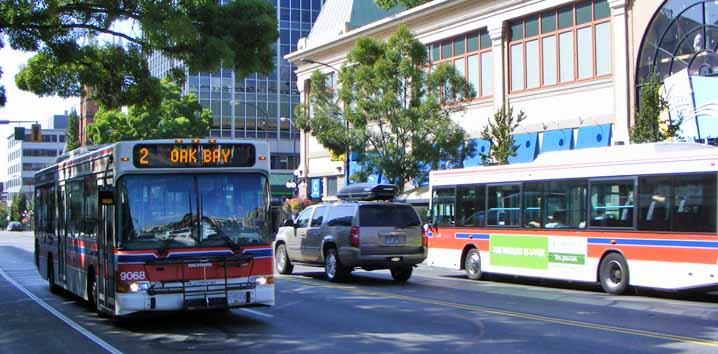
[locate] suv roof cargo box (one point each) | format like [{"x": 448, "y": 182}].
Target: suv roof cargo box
[{"x": 365, "y": 191}]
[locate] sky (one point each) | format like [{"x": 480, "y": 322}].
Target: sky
[{"x": 22, "y": 105}]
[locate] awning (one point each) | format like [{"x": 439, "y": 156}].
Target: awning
[
  {"x": 278, "y": 184},
  {"x": 475, "y": 148},
  {"x": 594, "y": 136},
  {"x": 527, "y": 147},
  {"x": 557, "y": 140}
]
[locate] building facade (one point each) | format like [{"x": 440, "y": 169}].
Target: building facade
[
  {"x": 257, "y": 106},
  {"x": 573, "y": 67},
  {"x": 24, "y": 158}
]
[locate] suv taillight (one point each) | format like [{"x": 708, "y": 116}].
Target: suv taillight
[
  {"x": 424, "y": 238},
  {"x": 354, "y": 237}
]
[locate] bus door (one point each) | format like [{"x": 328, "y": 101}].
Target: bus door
[
  {"x": 61, "y": 236},
  {"x": 106, "y": 259}
]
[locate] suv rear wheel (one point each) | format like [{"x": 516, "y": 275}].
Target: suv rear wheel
[
  {"x": 402, "y": 274},
  {"x": 333, "y": 268}
]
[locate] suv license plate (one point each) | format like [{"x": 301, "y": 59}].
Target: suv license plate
[{"x": 394, "y": 240}]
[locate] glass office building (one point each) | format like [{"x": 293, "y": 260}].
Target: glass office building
[{"x": 257, "y": 106}]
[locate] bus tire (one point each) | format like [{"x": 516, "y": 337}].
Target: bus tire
[
  {"x": 92, "y": 292},
  {"x": 613, "y": 274},
  {"x": 401, "y": 274},
  {"x": 281, "y": 260},
  {"x": 51, "y": 277},
  {"x": 472, "y": 264},
  {"x": 334, "y": 270}
]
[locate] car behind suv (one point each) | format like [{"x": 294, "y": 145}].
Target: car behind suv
[{"x": 354, "y": 233}]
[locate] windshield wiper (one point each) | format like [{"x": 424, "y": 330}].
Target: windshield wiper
[
  {"x": 164, "y": 246},
  {"x": 218, "y": 232}
]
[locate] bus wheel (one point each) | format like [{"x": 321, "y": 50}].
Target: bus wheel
[
  {"x": 281, "y": 259},
  {"x": 51, "y": 277},
  {"x": 613, "y": 274},
  {"x": 472, "y": 264},
  {"x": 92, "y": 292}
]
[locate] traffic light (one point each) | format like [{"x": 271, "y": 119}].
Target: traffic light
[
  {"x": 19, "y": 133},
  {"x": 36, "y": 134}
]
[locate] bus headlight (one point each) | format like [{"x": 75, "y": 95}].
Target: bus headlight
[
  {"x": 264, "y": 280},
  {"x": 139, "y": 286}
]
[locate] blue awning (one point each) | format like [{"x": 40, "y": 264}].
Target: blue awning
[
  {"x": 475, "y": 148},
  {"x": 594, "y": 136},
  {"x": 527, "y": 147},
  {"x": 557, "y": 140}
]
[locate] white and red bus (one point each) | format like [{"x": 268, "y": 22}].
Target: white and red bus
[
  {"x": 636, "y": 215},
  {"x": 158, "y": 225}
]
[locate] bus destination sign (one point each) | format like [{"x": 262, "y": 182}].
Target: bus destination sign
[{"x": 193, "y": 155}]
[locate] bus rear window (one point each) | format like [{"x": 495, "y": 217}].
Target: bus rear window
[{"x": 388, "y": 215}]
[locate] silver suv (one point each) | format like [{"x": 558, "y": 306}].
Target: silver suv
[{"x": 352, "y": 234}]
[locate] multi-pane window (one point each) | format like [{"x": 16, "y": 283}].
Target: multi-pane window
[
  {"x": 567, "y": 44},
  {"x": 470, "y": 53}
]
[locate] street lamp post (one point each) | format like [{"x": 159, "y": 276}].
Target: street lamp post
[{"x": 346, "y": 123}]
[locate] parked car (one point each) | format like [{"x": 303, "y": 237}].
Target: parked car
[
  {"x": 15, "y": 226},
  {"x": 363, "y": 230}
]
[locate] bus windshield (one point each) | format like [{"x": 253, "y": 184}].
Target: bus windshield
[{"x": 182, "y": 211}]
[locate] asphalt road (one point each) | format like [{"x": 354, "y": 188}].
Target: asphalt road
[{"x": 437, "y": 311}]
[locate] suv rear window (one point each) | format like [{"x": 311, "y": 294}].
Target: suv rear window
[{"x": 388, "y": 215}]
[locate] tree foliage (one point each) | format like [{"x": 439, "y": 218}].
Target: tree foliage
[
  {"x": 384, "y": 111},
  {"x": 18, "y": 206},
  {"x": 388, "y": 4},
  {"x": 649, "y": 127},
  {"x": 200, "y": 33},
  {"x": 176, "y": 116},
  {"x": 3, "y": 216},
  {"x": 499, "y": 133},
  {"x": 72, "y": 134}
]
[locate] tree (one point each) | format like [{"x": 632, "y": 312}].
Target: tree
[
  {"x": 387, "y": 114},
  {"x": 499, "y": 133},
  {"x": 388, "y": 4},
  {"x": 18, "y": 206},
  {"x": 3, "y": 216},
  {"x": 202, "y": 34},
  {"x": 72, "y": 135},
  {"x": 176, "y": 116},
  {"x": 649, "y": 127}
]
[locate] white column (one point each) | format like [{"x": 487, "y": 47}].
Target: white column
[
  {"x": 496, "y": 32},
  {"x": 621, "y": 85}
]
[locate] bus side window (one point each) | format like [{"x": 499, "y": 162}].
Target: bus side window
[{"x": 443, "y": 207}]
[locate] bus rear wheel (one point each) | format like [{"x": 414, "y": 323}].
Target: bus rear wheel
[
  {"x": 613, "y": 274},
  {"x": 51, "y": 277},
  {"x": 472, "y": 264}
]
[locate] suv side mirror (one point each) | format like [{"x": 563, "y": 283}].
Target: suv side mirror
[{"x": 288, "y": 223}]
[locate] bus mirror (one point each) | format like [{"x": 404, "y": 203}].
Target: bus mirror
[{"x": 106, "y": 195}]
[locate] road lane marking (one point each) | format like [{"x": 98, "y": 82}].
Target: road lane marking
[
  {"x": 104, "y": 345},
  {"x": 636, "y": 332},
  {"x": 257, "y": 313}
]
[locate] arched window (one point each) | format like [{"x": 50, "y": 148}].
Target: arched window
[{"x": 683, "y": 34}]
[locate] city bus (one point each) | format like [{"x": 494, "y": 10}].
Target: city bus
[
  {"x": 157, "y": 225},
  {"x": 639, "y": 215}
]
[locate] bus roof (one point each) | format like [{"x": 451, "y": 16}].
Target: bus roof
[{"x": 620, "y": 160}]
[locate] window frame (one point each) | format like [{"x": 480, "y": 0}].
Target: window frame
[
  {"x": 589, "y": 207},
  {"x": 520, "y": 184},
  {"x": 539, "y": 37},
  {"x": 465, "y": 57}
]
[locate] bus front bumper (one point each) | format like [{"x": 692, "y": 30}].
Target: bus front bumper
[{"x": 129, "y": 303}]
